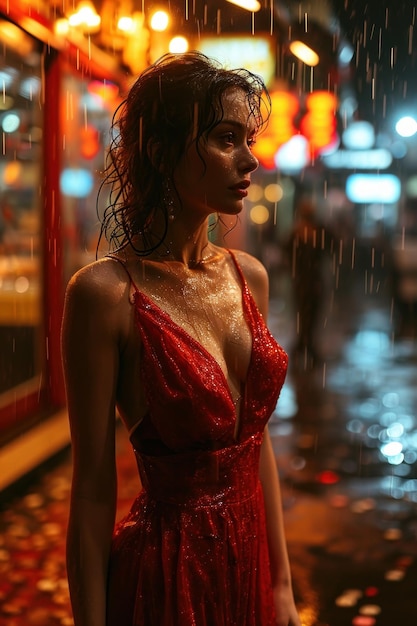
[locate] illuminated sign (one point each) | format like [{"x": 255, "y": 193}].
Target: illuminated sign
[
  {"x": 316, "y": 122},
  {"x": 378, "y": 159},
  {"x": 279, "y": 130},
  {"x": 256, "y": 54},
  {"x": 373, "y": 188}
]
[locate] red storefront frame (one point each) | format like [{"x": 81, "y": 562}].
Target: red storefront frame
[{"x": 60, "y": 55}]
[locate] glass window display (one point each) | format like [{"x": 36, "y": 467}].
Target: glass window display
[
  {"x": 20, "y": 211},
  {"x": 86, "y": 110}
]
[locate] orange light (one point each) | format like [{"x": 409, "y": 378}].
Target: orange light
[
  {"x": 107, "y": 92},
  {"x": 319, "y": 123},
  {"x": 12, "y": 173},
  {"x": 85, "y": 17},
  {"x": 304, "y": 53},
  {"x": 90, "y": 142},
  {"x": 280, "y": 128},
  {"x": 159, "y": 21}
]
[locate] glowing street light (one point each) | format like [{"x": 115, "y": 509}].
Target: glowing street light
[
  {"x": 406, "y": 126},
  {"x": 249, "y": 5},
  {"x": 159, "y": 21},
  {"x": 178, "y": 45},
  {"x": 304, "y": 53},
  {"x": 259, "y": 214},
  {"x": 126, "y": 24},
  {"x": 85, "y": 17}
]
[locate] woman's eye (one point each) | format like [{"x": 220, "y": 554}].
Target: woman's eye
[
  {"x": 233, "y": 139},
  {"x": 229, "y": 137}
]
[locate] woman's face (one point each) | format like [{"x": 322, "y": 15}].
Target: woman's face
[{"x": 219, "y": 184}]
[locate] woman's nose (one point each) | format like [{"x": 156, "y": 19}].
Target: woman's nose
[{"x": 250, "y": 162}]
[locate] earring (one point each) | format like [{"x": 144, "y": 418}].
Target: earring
[{"x": 169, "y": 200}]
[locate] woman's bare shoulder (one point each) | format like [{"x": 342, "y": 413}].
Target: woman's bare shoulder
[
  {"x": 103, "y": 281},
  {"x": 252, "y": 268},
  {"x": 256, "y": 277}
]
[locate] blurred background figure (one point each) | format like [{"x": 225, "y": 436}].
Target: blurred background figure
[{"x": 309, "y": 249}]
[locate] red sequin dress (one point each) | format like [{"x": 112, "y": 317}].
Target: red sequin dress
[{"x": 193, "y": 549}]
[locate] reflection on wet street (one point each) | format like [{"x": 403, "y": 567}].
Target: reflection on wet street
[
  {"x": 346, "y": 439},
  {"x": 345, "y": 435}
]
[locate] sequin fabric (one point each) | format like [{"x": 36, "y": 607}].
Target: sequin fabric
[{"x": 193, "y": 549}]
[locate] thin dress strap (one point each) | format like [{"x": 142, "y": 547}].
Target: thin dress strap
[
  {"x": 132, "y": 282},
  {"x": 238, "y": 269},
  {"x": 135, "y": 289}
]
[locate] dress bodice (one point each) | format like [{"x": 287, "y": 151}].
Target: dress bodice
[{"x": 190, "y": 403}]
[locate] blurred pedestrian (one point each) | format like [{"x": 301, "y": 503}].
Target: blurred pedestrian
[{"x": 309, "y": 245}]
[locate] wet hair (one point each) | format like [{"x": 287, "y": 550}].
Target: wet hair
[{"x": 177, "y": 98}]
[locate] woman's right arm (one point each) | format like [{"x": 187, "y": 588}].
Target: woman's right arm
[{"x": 90, "y": 350}]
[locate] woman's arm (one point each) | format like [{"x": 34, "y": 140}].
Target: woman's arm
[
  {"x": 90, "y": 359},
  {"x": 257, "y": 279},
  {"x": 278, "y": 554}
]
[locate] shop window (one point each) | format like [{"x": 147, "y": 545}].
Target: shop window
[
  {"x": 87, "y": 107},
  {"x": 20, "y": 214}
]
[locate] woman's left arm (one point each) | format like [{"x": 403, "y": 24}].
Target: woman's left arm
[
  {"x": 257, "y": 279},
  {"x": 278, "y": 553}
]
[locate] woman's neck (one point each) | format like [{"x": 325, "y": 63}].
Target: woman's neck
[{"x": 185, "y": 244}]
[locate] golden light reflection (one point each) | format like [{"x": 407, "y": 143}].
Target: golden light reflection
[
  {"x": 62, "y": 27},
  {"x": 178, "y": 44},
  {"x": 12, "y": 35},
  {"x": 273, "y": 192},
  {"x": 6, "y": 102},
  {"x": 126, "y": 24},
  {"x": 85, "y": 17},
  {"x": 259, "y": 214},
  {"x": 255, "y": 192},
  {"x": 21, "y": 284},
  {"x": 308, "y": 616},
  {"x": 12, "y": 172},
  {"x": 159, "y": 21}
]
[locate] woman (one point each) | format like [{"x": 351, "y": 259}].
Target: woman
[{"x": 169, "y": 329}]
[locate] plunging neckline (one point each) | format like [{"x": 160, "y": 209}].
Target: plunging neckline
[{"x": 203, "y": 350}]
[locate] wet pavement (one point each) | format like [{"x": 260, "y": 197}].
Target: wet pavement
[
  {"x": 345, "y": 435},
  {"x": 349, "y": 462}
]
